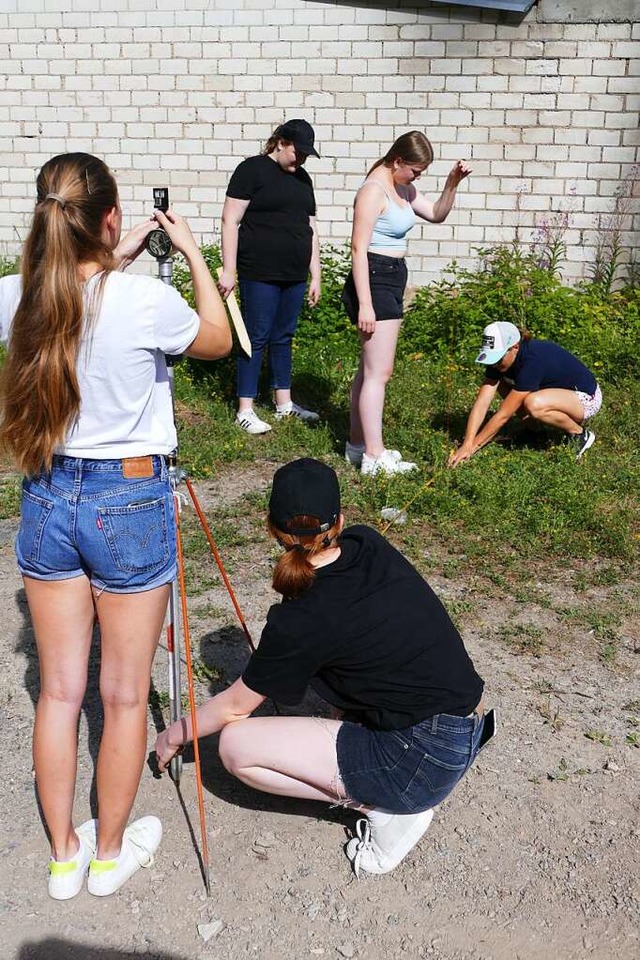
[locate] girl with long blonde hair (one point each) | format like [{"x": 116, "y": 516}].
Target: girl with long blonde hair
[{"x": 85, "y": 413}]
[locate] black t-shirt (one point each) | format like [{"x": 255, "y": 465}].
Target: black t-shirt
[
  {"x": 371, "y": 637},
  {"x": 275, "y": 236},
  {"x": 540, "y": 364}
]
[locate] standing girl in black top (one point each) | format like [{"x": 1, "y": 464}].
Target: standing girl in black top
[
  {"x": 361, "y": 626},
  {"x": 269, "y": 236}
]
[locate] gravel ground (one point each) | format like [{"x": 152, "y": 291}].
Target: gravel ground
[{"x": 535, "y": 855}]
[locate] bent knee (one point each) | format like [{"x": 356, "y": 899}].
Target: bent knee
[
  {"x": 232, "y": 745},
  {"x": 534, "y": 404}
]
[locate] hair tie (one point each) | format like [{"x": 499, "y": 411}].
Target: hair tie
[
  {"x": 299, "y": 548},
  {"x": 56, "y": 196}
]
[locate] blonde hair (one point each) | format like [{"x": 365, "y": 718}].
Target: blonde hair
[
  {"x": 39, "y": 390},
  {"x": 293, "y": 572},
  {"x": 273, "y": 142},
  {"x": 412, "y": 147}
]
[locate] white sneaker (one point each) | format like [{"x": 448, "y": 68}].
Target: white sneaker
[
  {"x": 67, "y": 876},
  {"x": 292, "y": 409},
  {"x": 386, "y": 463},
  {"x": 139, "y": 843},
  {"x": 250, "y": 422},
  {"x": 379, "y": 847},
  {"x": 353, "y": 453}
]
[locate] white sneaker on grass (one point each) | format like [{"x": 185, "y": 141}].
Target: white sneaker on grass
[
  {"x": 66, "y": 877},
  {"x": 292, "y": 409},
  {"x": 583, "y": 441},
  {"x": 139, "y": 843},
  {"x": 353, "y": 453},
  {"x": 250, "y": 422},
  {"x": 386, "y": 463},
  {"x": 382, "y": 841}
]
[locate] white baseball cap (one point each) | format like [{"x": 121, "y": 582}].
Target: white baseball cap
[{"x": 497, "y": 338}]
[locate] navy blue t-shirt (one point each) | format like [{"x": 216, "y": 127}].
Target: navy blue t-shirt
[{"x": 543, "y": 364}]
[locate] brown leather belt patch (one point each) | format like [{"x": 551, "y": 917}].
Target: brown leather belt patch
[{"x": 137, "y": 468}]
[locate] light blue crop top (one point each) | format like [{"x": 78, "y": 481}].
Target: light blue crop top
[{"x": 392, "y": 226}]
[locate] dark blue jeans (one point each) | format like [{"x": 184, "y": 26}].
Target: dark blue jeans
[{"x": 270, "y": 312}]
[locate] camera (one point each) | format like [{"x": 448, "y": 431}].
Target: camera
[{"x": 158, "y": 242}]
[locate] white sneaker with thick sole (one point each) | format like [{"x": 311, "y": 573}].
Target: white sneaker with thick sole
[
  {"x": 66, "y": 877},
  {"x": 139, "y": 843},
  {"x": 380, "y": 844},
  {"x": 353, "y": 453},
  {"x": 385, "y": 463},
  {"x": 292, "y": 409},
  {"x": 250, "y": 422}
]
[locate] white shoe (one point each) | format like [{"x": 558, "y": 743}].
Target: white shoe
[
  {"x": 386, "y": 463},
  {"x": 379, "y": 847},
  {"x": 292, "y": 409},
  {"x": 66, "y": 877},
  {"x": 250, "y": 422},
  {"x": 353, "y": 453},
  {"x": 139, "y": 843}
]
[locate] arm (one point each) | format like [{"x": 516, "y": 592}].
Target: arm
[
  {"x": 314, "y": 287},
  {"x": 237, "y": 702},
  {"x": 232, "y": 213},
  {"x": 440, "y": 210},
  {"x": 368, "y": 207},
  {"x": 213, "y": 339},
  {"x": 474, "y": 440}
]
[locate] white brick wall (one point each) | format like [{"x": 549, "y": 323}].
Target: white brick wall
[{"x": 176, "y": 92}]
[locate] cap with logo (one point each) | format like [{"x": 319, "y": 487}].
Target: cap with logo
[
  {"x": 497, "y": 338},
  {"x": 304, "y": 488},
  {"x": 300, "y": 134}
]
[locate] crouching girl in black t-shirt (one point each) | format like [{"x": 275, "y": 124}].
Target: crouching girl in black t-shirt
[{"x": 360, "y": 625}]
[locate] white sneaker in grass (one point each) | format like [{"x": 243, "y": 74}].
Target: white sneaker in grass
[
  {"x": 353, "y": 453},
  {"x": 292, "y": 409},
  {"x": 66, "y": 877},
  {"x": 250, "y": 422},
  {"x": 383, "y": 840},
  {"x": 139, "y": 843},
  {"x": 386, "y": 463}
]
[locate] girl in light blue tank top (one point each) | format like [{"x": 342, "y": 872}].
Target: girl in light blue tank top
[{"x": 375, "y": 287}]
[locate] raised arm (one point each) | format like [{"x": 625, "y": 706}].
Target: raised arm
[
  {"x": 440, "y": 210},
  {"x": 237, "y": 702},
  {"x": 232, "y": 213},
  {"x": 213, "y": 339},
  {"x": 370, "y": 202}
]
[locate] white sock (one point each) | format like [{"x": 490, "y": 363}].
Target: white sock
[
  {"x": 379, "y": 817},
  {"x": 281, "y": 407}
]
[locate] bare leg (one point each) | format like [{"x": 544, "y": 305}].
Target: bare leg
[
  {"x": 557, "y": 408},
  {"x": 130, "y": 626},
  {"x": 288, "y": 756},
  {"x": 355, "y": 430},
  {"x": 62, "y": 614},
  {"x": 378, "y": 356},
  {"x": 282, "y": 396}
]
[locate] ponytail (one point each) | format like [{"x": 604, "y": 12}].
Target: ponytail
[
  {"x": 294, "y": 573},
  {"x": 412, "y": 147},
  {"x": 39, "y": 390}
]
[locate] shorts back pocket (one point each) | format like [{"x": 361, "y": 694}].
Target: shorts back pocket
[
  {"x": 137, "y": 535},
  {"x": 34, "y": 514}
]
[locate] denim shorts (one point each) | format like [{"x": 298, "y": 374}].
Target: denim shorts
[
  {"x": 387, "y": 281},
  {"x": 410, "y": 770},
  {"x": 86, "y": 518}
]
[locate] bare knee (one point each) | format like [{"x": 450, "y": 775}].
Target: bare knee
[
  {"x": 67, "y": 697},
  {"x": 232, "y": 746},
  {"x": 534, "y": 405},
  {"x": 120, "y": 696}
]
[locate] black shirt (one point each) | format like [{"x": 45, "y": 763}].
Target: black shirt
[
  {"x": 275, "y": 236},
  {"x": 540, "y": 364},
  {"x": 371, "y": 637}
]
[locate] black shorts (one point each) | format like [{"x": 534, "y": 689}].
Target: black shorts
[{"x": 388, "y": 280}]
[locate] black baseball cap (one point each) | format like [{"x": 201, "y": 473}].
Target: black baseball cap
[
  {"x": 308, "y": 488},
  {"x": 300, "y": 134}
]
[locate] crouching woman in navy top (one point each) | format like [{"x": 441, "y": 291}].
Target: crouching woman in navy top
[
  {"x": 537, "y": 379},
  {"x": 360, "y": 625}
]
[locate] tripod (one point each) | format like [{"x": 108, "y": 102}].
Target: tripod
[{"x": 177, "y": 613}]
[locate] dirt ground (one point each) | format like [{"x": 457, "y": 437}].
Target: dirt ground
[{"x": 534, "y": 856}]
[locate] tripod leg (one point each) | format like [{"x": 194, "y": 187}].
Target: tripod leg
[
  {"x": 175, "y": 685},
  {"x": 192, "y": 704}
]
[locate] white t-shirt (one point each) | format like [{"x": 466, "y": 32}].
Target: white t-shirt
[{"x": 126, "y": 408}]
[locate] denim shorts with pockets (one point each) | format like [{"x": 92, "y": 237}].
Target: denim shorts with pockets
[
  {"x": 409, "y": 770},
  {"x": 387, "y": 282},
  {"x": 86, "y": 518}
]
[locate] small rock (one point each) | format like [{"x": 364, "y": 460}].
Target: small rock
[
  {"x": 209, "y": 930},
  {"x": 611, "y": 765},
  {"x": 394, "y": 515},
  {"x": 265, "y": 840},
  {"x": 346, "y": 950}
]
